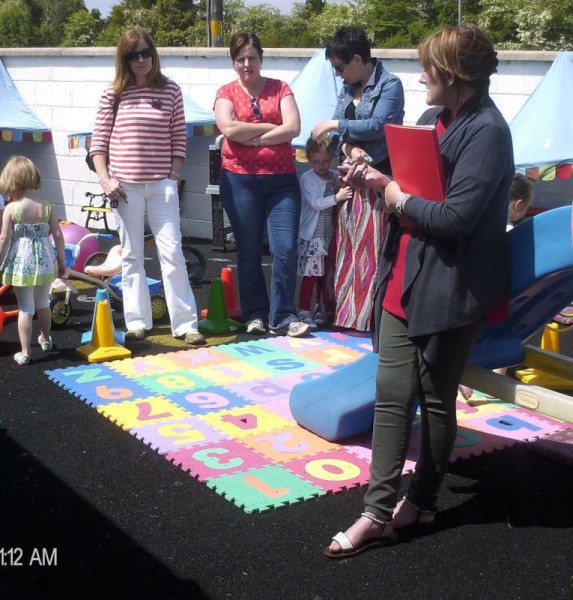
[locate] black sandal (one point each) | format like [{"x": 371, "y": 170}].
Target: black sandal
[{"x": 423, "y": 519}]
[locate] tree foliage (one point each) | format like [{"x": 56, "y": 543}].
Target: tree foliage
[
  {"x": 16, "y": 24},
  {"x": 512, "y": 24}
]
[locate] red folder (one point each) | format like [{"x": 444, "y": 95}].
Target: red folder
[{"x": 416, "y": 160}]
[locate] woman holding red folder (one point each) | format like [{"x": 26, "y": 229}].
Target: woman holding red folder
[{"x": 443, "y": 270}]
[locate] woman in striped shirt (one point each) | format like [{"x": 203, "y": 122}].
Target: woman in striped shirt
[{"x": 138, "y": 148}]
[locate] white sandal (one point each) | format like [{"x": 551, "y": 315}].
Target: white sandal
[{"x": 347, "y": 548}]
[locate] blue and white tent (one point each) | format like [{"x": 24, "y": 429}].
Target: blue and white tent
[
  {"x": 542, "y": 133},
  {"x": 316, "y": 90},
  {"x": 17, "y": 122},
  {"x": 542, "y": 130},
  {"x": 199, "y": 121}
]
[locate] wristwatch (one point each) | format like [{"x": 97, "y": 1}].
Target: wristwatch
[{"x": 399, "y": 208}]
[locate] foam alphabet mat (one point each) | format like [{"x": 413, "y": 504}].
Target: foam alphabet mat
[{"x": 222, "y": 414}]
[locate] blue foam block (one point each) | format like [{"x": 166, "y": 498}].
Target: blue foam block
[{"x": 339, "y": 404}]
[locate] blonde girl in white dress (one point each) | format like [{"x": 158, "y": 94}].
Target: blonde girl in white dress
[{"x": 28, "y": 259}]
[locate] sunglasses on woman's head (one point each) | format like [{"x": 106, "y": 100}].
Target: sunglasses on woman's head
[
  {"x": 133, "y": 56},
  {"x": 256, "y": 109}
]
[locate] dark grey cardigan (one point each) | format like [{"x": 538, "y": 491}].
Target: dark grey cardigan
[{"x": 456, "y": 264}]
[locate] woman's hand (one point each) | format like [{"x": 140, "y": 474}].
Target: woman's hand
[
  {"x": 112, "y": 188},
  {"x": 355, "y": 154},
  {"x": 324, "y": 127},
  {"x": 361, "y": 175}
]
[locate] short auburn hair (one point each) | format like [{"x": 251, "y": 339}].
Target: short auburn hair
[{"x": 464, "y": 51}]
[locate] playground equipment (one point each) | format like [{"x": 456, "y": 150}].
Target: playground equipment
[
  {"x": 6, "y": 314},
  {"x": 76, "y": 235},
  {"x": 336, "y": 406},
  {"x": 194, "y": 260},
  {"x": 102, "y": 263},
  {"x": 550, "y": 343}
]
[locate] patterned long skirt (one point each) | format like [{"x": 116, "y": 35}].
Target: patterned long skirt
[{"x": 359, "y": 233}]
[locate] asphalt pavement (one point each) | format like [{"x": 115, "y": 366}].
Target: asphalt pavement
[{"x": 90, "y": 512}]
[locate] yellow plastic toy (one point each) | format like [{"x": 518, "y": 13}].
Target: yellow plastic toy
[{"x": 541, "y": 358}]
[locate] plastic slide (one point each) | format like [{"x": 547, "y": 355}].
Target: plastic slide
[{"x": 340, "y": 404}]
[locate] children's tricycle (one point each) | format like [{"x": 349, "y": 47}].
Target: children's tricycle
[{"x": 103, "y": 270}]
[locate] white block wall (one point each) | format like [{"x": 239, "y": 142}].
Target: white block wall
[{"x": 62, "y": 86}]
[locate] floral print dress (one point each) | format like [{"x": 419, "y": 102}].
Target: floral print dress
[{"x": 31, "y": 258}]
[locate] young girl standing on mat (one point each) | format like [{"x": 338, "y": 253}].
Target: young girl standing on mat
[
  {"x": 27, "y": 257},
  {"x": 320, "y": 193}
]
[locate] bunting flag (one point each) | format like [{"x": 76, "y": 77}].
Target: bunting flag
[
  {"x": 17, "y": 135},
  {"x": 550, "y": 172}
]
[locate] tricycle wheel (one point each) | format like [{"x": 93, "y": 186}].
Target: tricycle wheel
[
  {"x": 159, "y": 308},
  {"x": 61, "y": 308},
  {"x": 195, "y": 263}
]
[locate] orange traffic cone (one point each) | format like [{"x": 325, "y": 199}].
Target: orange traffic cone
[
  {"x": 102, "y": 346},
  {"x": 217, "y": 321},
  {"x": 233, "y": 309}
]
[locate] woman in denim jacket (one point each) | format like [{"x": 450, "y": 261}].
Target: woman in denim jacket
[{"x": 371, "y": 97}]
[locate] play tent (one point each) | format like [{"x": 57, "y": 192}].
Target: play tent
[
  {"x": 199, "y": 122},
  {"x": 17, "y": 122},
  {"x": 315, "y": 89},
  {"x": 542, "y": 133}
]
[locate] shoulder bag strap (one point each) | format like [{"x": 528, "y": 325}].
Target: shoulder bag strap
[{"x": 117, "y": 98}]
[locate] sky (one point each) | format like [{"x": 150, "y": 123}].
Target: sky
[{"x": 105, "y": 6}]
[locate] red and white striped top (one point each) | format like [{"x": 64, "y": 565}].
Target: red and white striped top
[{"x": 149, "y": 130}]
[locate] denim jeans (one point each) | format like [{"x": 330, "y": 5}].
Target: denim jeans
[
  {"x": 251, "y": 203},
  {"x": 402, "y": 377},
  {"x": 160, "y": 200}
]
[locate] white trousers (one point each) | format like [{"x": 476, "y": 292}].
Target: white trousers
[{"x": 160, "y": 200}]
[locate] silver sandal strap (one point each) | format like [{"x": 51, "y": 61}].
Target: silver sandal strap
[{"x": 374, "y": 519}]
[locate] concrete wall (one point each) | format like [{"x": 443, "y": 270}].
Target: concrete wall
[{"x": 62, "y": 86}]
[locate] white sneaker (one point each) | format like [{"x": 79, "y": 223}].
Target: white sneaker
[
  {"x": 306, "y": 317},
  {"x": 256, "y": 327},
  {"x": 293, "y": 329}
]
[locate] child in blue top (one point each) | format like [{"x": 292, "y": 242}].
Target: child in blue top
[
  {"x": 27, "y": 257},
  {"x": 320, "y": 193}
]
